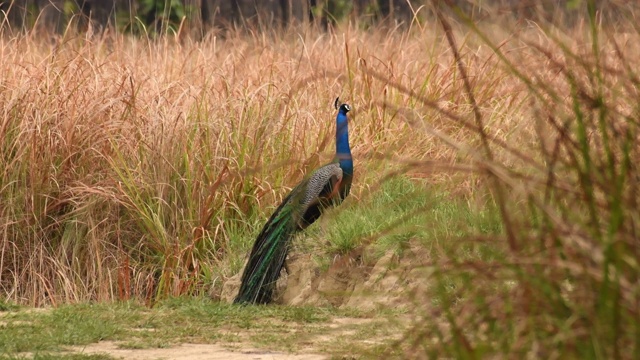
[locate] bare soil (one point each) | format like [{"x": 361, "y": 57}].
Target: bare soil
[
  {"x": 390, "y": 282},
  {"x": 350, "y": 282},
  {"x": 193, "y": 352}
]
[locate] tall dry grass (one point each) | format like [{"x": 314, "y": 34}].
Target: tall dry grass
[{"x": 134, "y": 168}]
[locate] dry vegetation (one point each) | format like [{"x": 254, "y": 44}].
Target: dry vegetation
[
  {"x": 139, "y": 169},
  {"x": 131, "y": 165}
]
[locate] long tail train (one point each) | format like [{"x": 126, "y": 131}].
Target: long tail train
[{"x": 267, "y": 257}]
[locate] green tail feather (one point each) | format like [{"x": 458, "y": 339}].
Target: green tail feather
[{"x": 267, "y": 256}]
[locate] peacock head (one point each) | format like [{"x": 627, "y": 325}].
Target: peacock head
[{"x": 342, "y": 109}]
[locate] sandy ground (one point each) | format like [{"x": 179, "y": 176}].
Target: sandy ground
[
  {"x": 347, "y": 285},
  {"x": 191, "y": 351}
]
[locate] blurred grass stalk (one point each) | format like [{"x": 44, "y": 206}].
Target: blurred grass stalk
[{"x": 568, "y": 286}]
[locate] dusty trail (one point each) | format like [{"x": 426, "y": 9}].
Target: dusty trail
[{"x": 192, "y": 352}]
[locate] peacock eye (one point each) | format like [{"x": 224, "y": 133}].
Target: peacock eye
[{"x": 347, "y": 107}]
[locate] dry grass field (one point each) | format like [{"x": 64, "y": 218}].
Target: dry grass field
[{"x": 134, "y": 169}]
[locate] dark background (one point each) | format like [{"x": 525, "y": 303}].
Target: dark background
[{"x": 203, "y": 16}]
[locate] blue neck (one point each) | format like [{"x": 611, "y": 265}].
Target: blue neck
[{"x": 343, "y": 151}]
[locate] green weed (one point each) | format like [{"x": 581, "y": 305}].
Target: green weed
[{"x": 51, "y": 332}]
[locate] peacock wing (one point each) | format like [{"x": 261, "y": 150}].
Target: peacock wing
[{"x": 321, "y": 188}]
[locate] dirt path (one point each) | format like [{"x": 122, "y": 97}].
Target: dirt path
[{"x": 191, "y": 351}]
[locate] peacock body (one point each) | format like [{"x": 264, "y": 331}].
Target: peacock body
[{"x": 326, "y": 186}]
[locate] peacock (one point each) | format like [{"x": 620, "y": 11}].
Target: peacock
[{"x": 327, "y": 186}]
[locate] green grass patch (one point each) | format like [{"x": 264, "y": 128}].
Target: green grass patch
[
  {"x": 8, "y": 306},
  {"x": 49, "y": 333},
  {"x": 51, "y": 329},
  {"x": 402, "y": 210}
]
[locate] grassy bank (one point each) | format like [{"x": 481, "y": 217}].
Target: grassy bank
[{"x": 69, "y": 330}]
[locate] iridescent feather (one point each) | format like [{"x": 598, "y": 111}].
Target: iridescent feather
[{"x": 326, "y": 186}]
